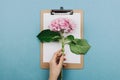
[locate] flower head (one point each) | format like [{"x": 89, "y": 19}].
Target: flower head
[{"x": 62, "y": 24}]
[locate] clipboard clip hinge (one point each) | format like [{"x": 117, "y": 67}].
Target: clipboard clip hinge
[{"x": 61, "y": 11}]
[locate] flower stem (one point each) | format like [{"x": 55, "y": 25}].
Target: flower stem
[
  {"x": 63, "y": 50},
  {"x": 63, "y": 42},
  {"x": 63, "y": 45}
]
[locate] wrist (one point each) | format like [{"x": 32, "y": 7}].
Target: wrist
[
  {"x": 52, "y": 78},
  {"x": 52, "y": 75}
]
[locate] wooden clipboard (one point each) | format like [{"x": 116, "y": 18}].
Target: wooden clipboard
[{"x": 45, "y": 65}]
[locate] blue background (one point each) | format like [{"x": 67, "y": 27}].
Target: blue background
[{"x": 20, "y": 50}]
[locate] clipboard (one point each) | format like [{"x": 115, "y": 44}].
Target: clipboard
[{"x": 62, "y": 12}]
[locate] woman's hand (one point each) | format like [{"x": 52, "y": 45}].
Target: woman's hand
[{"x": 56, "y": 64}]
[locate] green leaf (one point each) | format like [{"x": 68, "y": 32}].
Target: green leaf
[
  {"x": 69, "y": 38},
  {"x": 79, "y": 46},
  {"x": 48, "y": 36}
]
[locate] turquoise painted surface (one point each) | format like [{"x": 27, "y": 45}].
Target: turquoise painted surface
[{"x": 19, "y": 47}]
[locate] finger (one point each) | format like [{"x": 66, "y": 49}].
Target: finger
[
  {"x": 61, "y": 60},
  {"x": 58, "y": 58},
  {"x": 64, "y": 65},
  {"x": 59, "y": 53},
  {"x": 64, "y": 59},
  {"x": 55, "y": 54}
]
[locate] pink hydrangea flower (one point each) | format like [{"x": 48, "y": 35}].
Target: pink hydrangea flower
[{"x": 62, "y": 24}]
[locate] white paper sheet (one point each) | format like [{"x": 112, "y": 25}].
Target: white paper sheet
[{"x": 50, "y": 48}]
